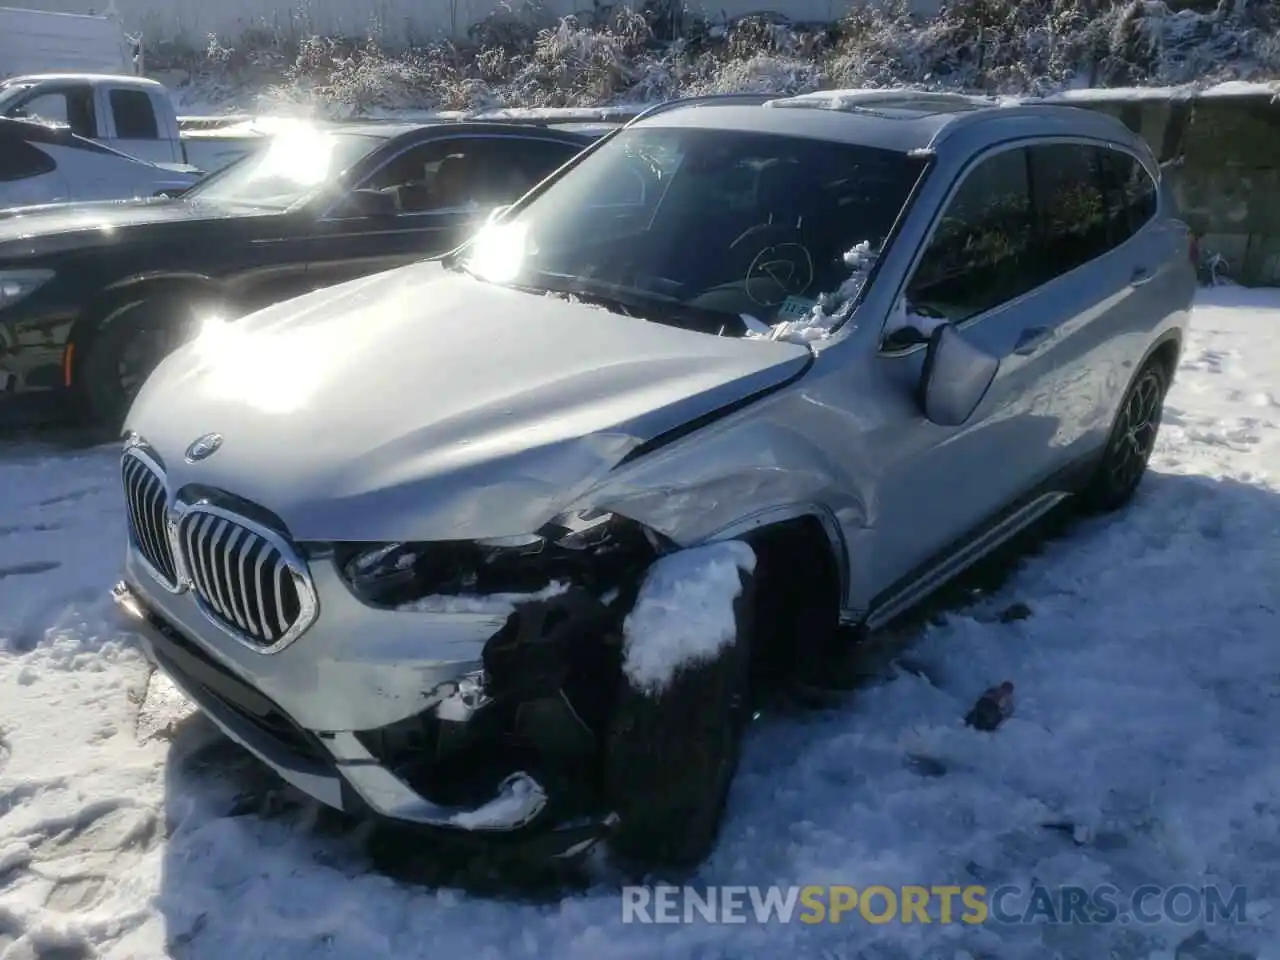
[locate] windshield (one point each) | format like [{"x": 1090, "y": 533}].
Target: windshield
[
  {"x": 289, "y": 169},
  {"x": 723, "y": 231}
]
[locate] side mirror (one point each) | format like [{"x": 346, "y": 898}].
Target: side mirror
[
  {"x": 367, "y": 203},
  {"x": 955, "y": 378}
]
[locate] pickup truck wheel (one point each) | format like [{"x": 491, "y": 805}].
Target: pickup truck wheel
[
  {"x": 1133, "y": 438},
  {"x": 672, "y": 756},
  {"x": 125, "y": 348}
]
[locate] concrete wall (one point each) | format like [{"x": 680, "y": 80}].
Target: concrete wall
[
  {"x": 400, "y": 21},
  {"x": 1227, "y": 180}
]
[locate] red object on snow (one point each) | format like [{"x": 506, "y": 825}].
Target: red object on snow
[{"x": 992, "y": 709}]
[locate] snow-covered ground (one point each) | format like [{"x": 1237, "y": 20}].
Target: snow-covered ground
[{"x": 1148, "y": 684}]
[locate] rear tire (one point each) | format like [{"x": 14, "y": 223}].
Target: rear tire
[
  {"x": 122, "y": 352},
  {"x": 671, "y": 757},
  {"x": 1133, "y": 437}
]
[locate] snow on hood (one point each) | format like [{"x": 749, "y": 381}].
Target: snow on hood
[
  {"x": 683, "y": 615},
  {"x": 424, "y": 404}
]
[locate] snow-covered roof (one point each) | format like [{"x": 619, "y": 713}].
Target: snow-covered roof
[
  {"x": 120, "y": 79},
  {"x": 1233, "y": 88},
  {"x": 904, "y": 98}
]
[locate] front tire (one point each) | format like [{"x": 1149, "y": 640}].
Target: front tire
[
  {"x": 671, "y": 757},
  {"x": 1132, "y": 440},
  {"x": 127, "y": 346}
]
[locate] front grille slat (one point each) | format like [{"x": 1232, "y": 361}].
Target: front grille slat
[
  {"x": 278, "y": 575},
  {"x": 155, "y": 498},
  {"x": 198, "y": 556},
  {"x": 261, "y": 595},
  {"x": 236, "y": 599},
  {"x": 217, "y": 536},
  {"x": 242, "y": 564}
]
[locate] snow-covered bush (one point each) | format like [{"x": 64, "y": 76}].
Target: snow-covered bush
[{"x": 520, "y": 56}]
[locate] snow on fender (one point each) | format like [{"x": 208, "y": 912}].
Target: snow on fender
[{"x": 684, "y": 612}]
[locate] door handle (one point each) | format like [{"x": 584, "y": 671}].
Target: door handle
[
  {"x": 1139, "y": 276},
  {"x": 1031, "y": 339}
]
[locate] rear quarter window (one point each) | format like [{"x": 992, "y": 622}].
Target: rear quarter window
[
  {"x": 134, "y": 114},
  {"x": 1136, "y": 191}
]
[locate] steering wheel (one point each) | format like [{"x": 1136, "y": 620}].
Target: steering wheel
[{"x": 782, "y": 266}]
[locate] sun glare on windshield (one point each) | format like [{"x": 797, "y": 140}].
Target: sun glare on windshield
[
  {"x": 301, "y": 153},
  {"x": 297, "y": 160}
]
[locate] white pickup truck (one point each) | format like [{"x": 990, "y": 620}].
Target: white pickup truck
[{"x": 131, "y": 114}]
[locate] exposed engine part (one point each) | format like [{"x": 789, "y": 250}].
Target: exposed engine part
[
  {"x": 541, "y": 704},
  {"x": 558, "y": 650}
]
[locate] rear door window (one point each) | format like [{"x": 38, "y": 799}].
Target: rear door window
[
  {"x": 1071, "y": 207},
  {"x": 464, "y": 173},
  {"x": 134, "y": 114},
  {"x": 20, "y": 160}
]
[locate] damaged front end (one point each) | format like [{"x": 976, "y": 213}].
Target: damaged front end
[{"x": 515, "y": 748}]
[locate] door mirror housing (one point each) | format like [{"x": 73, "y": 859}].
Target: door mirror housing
[
  {"x": 366, "y": 203},
  {"x": 955, "y": 378}
]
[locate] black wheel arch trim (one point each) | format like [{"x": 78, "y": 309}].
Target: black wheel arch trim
[
  {"x": 115, "y": 298},
  {"x": 1170, "y": 336}
]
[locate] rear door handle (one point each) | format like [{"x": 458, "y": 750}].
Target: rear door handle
[
  {"x": 1139, "y": 276},
  {"x": 1031, "y": 339}
]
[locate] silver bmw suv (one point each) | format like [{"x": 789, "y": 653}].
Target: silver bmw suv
[{"x": 504, "y": 543}]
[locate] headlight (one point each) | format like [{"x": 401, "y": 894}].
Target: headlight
[
  {"x": 17, "y": 284},
  {"x": 591, "y": 548}
]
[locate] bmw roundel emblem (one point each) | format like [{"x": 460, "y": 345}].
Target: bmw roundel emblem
[{"x": 203, "y": 447}]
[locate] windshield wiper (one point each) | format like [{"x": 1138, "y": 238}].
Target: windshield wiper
[
  {"x": 649, "y": 304},
  {"x": 637, "y": 297},
  {"x": 619, "y": 298}
]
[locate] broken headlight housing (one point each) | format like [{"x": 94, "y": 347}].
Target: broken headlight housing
[{"x": 592, "y": 549}]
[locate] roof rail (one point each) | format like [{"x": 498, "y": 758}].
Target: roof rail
[
  {"x": 707, "y": 100},
  {"x": 868, "y": 100},
  {"x": 586, "y": 118}
]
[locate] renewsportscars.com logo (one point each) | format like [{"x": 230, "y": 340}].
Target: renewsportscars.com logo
[{"x": 944, "y": 904}]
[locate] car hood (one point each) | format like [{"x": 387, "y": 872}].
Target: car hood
[
  {"x": 424, "y": 404},
  {"x": 53, "y": 227}
]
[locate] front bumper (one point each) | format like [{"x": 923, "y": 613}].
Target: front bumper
[{"x": 335, "y": 767}]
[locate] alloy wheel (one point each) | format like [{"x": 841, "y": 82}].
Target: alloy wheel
[{"x": 1136, "y": 430}]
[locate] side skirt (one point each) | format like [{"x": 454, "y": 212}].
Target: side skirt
[{"x": 959, "y": 556}]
